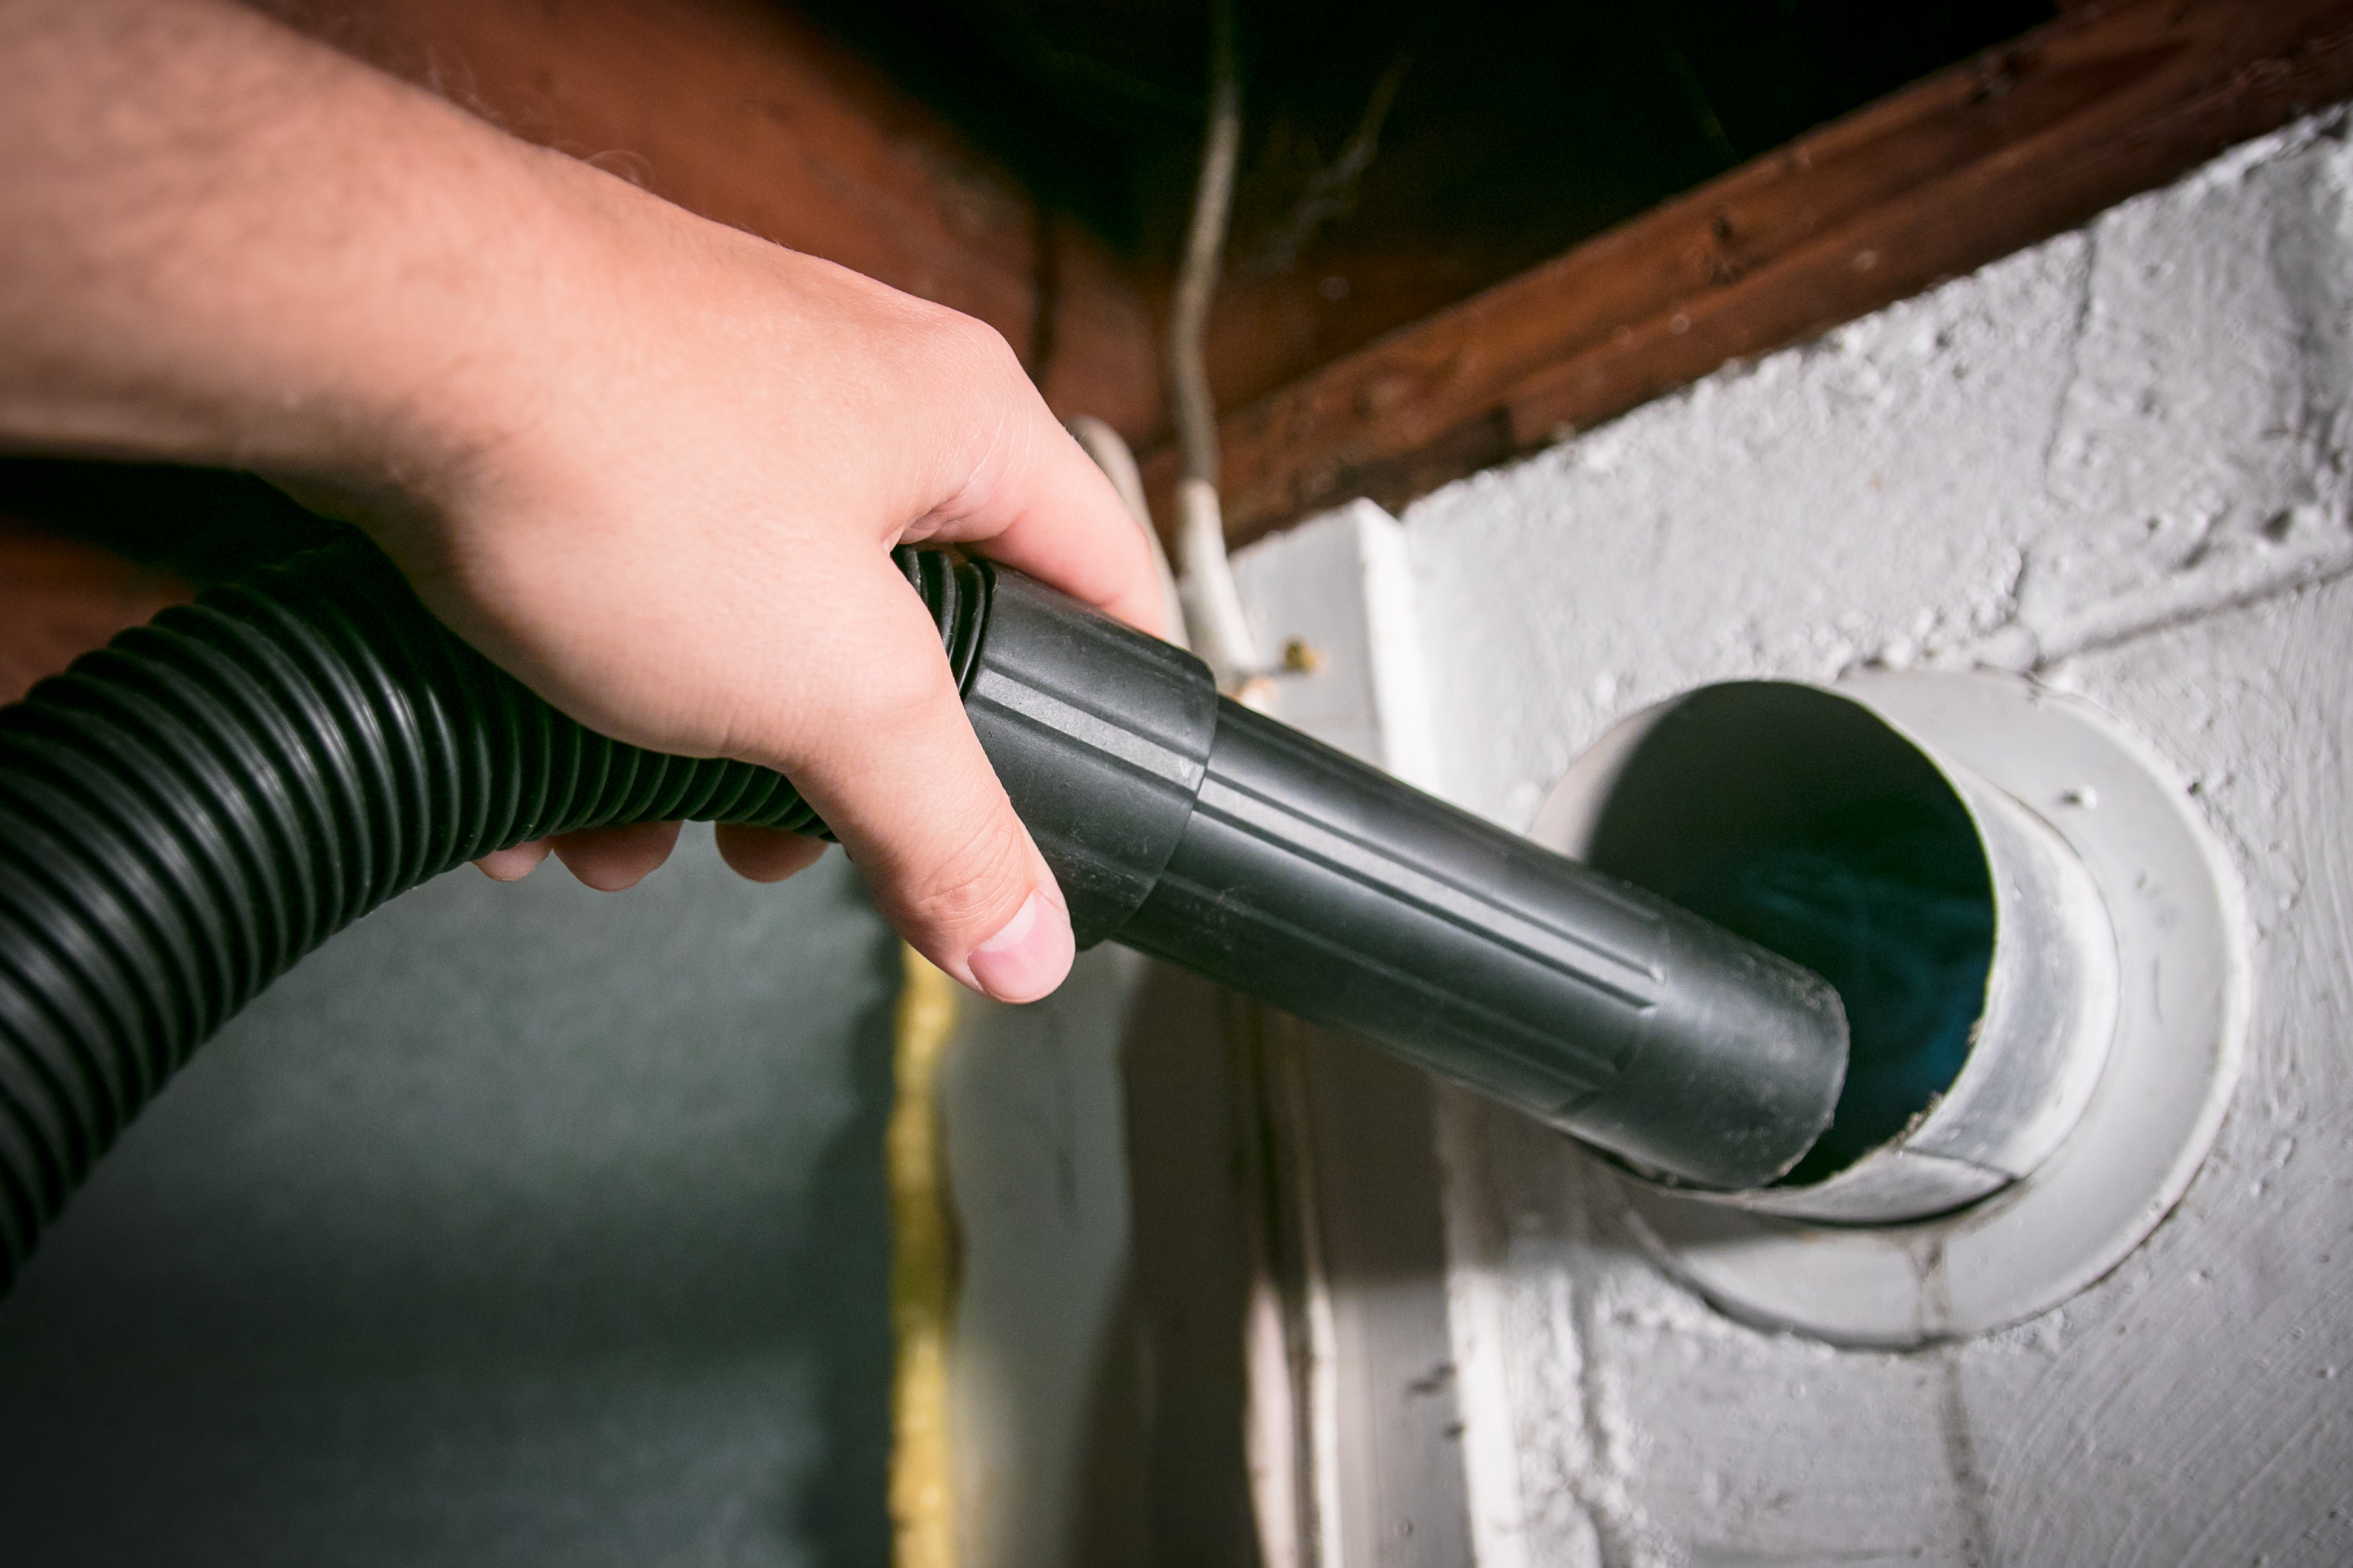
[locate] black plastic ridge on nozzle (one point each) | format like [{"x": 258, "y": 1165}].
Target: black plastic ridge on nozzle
[{"x": 1192, "y": 828}]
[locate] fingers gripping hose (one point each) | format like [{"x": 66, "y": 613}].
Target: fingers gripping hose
[{"x": 187, "y": 813}]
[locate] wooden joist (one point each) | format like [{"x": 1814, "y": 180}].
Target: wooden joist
[
  {"x": 1962, "y": 168},
  {"x": 746, "y": 113},
  {"x": 59, "y": 598}
]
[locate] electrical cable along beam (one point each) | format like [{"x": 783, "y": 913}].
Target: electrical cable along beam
[{"x": 187, "y": 812}]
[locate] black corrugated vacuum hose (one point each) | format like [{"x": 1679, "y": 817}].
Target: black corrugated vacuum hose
[{"x": 189, "y": 811}]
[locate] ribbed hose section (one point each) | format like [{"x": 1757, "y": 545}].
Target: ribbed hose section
[{"x": 187, "y": 812}]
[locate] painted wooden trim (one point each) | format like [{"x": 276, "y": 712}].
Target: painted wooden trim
[{"x": 923, "y": 1275}]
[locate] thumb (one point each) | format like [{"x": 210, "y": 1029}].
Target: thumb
[{"x": 891, "y": 763}]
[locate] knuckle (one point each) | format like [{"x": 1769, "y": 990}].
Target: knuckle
[
  {"x": 968, "y": 342},
  {"x": 978, "y": 885}
]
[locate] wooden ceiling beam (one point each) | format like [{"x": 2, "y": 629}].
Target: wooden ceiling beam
[
  {"x": 1968, "y": 165},
  {"x": 753, "y": 115}
]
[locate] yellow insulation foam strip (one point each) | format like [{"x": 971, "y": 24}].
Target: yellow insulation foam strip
[{"x": 923, "y": 1277}]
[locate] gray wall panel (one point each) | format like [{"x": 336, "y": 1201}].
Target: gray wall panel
[{"x": 520, "y": 1225}]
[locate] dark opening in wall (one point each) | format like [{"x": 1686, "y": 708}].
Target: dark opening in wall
[{"x": 1806, "y": 824}]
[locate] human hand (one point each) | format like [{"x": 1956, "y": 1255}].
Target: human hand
[
  {"x": 672, "y": 517},
  {"x": 652, "y": 466}
]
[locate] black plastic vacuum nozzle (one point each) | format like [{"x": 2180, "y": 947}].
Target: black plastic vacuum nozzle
[
  {"x": 187, "y": 812},
  {"x": 1185, "y": 825}
]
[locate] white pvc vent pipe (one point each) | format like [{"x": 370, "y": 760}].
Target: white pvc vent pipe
[{"x": 2109, "y": 1032}]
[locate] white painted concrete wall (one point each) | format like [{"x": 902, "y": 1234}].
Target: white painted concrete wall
[{"x": 2118, "y": 462}]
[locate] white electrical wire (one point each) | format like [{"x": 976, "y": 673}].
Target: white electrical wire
[
  {"x": 1110, "y": 452},
  {"x": 1213, "y": 609}
]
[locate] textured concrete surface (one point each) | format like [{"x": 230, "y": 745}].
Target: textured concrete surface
[
  {"x": 2118, "y": 462},
  {"x": 518, "y": 1226}
]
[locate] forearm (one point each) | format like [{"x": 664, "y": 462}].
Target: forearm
[
  {"x": 223, "y": 243},
  {"x": 652, "y": 464}
]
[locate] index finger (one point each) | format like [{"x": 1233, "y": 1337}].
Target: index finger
[{"x": 1039, "y": 505}]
